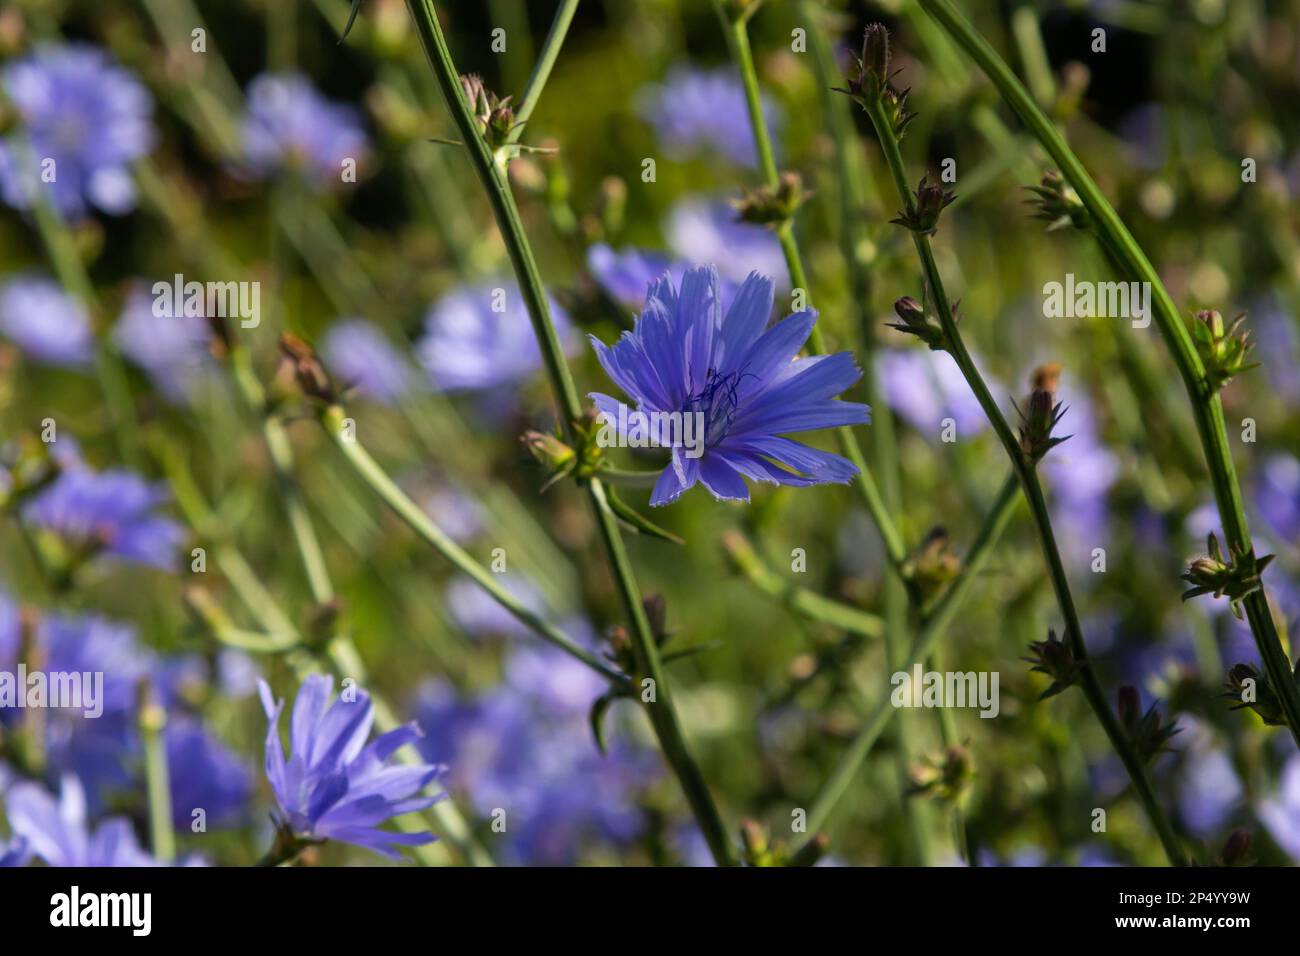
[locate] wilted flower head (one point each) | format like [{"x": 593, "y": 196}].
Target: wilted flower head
[
  {"x": 1042, "y": 413},
  {"x": 334, "y": 786},
  {"x": 88, "y": 116},
  {"x": 1148, "y": 731},
  {"x": 739, "y": 379},
  {"x": 111, "y": 512},
  {"x": 480, "y": 337},
  {"x": 361, "y": 357},
  {"x": 175, "y": 351},
  {"x": 700, "y": 232},
  {"x": 1054, "y": 658},
  {"x": 698, "y": 110},
  {"x": 495, "y": 116},
  {"x": 58, "y": 832},
  {"x": 45, "y": 322},
  {"x": 291, "y": 126}
]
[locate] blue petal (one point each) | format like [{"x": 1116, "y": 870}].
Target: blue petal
[
  {"x": 745, "y": 321},
  {"x": 721, "y": 479}
]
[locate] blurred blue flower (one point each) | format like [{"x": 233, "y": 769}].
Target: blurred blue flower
[
  {"x": 360, "y": 356},
  {"x": 684, "y": 357},
  {"x": 292, "y": 127},
  {"x": 58, "y": 833},
  {"x": 204, "y": 774},
  {"x": 456, "y": 513},
  {"x": 1080, "y": 474},
  {"x": 45, "y": 322},
  {"x": 1277, "y": 344},
  {"x": 1280, "y": 812},
  {"x": 100, "y": 751},
  {"x": 111, "y": 512},
  {"x": 14, "y": 852},
  {"x": 1277, "y": 496},
  {"x": 172, "y": 350},
  {"x": 925, "y": 387},
  {"x": 697, "y": 110},
  {"x": 334, "y": 785},
  {"x": 480, "y": 337},
  {"x": 524, "y": 748},
  {"x": 701, "y": 231},
  {"x": 478, "y": 614},
  {"x": 1208, "y": 790},
  {"x": 626, "y": 276},
  {"x": 88, "y": 116}
]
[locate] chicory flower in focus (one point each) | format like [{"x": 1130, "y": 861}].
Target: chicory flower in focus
[
  {"x": 291, "y": 126},
  {"x": 335, "y": 786},
  {"x": 58, "y": 833},
  {"x": 45, "y": 322},
  {"x": 480, "y": 337},
  {"x": 695, "y": 110},
  {"x": 361, "y": 357},
  {"x": 737, "y": 377},
  {"x": 84, "y": 115}
]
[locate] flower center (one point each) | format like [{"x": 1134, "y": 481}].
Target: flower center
[{"x": 718, "y": 401}]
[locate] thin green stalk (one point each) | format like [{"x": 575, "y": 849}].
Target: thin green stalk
[
  {"x": 738, "y": 40},
  {"x": 1033, "y": 491},
  {"x": 71, "y": 271},
  {"x": 542, "y": 68},
  {"x": 491, "y": 172},
  {"x": 801, "y": 600},
  {"x": 1207, "y": 408},
  {"x": 927, "y": 637},
  {"x": 369, "y": 471},
  {"x": 152, "y": 719},
  {"x": 898, "y": 599}
]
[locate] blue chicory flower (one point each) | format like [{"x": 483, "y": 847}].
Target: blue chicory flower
[
  {"x": 45, "y": 322},
  {"x": 292, "y": 127},
  {"x": 360, "y": 356},
  {"x": 1209, "y": 791},
  {"x": 741, "y": 378},
  {"x": 334, "y": 785},
  {"x": 84, "y": 114},
  {"x": 480, "y": 337},
  {"x": 1277, "y": 495},
  {"x": 58, "y": 833},
  {"x": 697, "y": 110}
]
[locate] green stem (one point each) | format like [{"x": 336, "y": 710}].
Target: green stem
[
  {"x": 932, "y": 628},
  {"x": 152, "y": 720},
  {"x": 492, "y": 174},
  {"x": 738, "y": 40},
  {"x": 1207, "y": 409},
  {"x": 801, "y": 600},
  {"x": 1033, "y": 491},
  {"x": 542, "y": 68},
  {"x": 368, "y": 470}
]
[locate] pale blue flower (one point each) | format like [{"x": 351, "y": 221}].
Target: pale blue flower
[
  {"x": 292, "y": 127},
  {"x": 45, "y": 322},
  {"x": 88, "y": 117}
]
